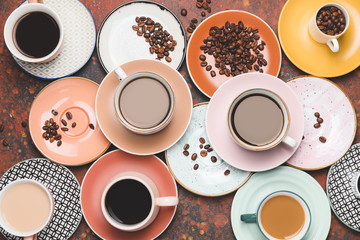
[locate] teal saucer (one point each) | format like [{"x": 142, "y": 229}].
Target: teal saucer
[{"x": 249, "y": 196}]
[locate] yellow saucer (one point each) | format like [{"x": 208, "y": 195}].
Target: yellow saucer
[{"x": 312, "y": 57}]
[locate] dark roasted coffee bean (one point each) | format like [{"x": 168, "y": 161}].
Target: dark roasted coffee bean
[
  {"x": 5, "y": 143},
  {"x": 203, "y": 153},
  {"x": 73, "y": 124},
  {"x": 59, "y": 143},
  {"x": 202, "y": 140},
  {"x": 227, "y": 172},
  {"x": 91, "y": 126},
  {"x": 63, "y": 122},
  {"x": 51, "y": 120},
  {"x": 193, "y": 156},
  {"x": 194, "y": 20},
  {"x": 317, "y": 125},
  {"x": 196, "y": 166},
  {"x": 317, "y": 114},
  {"x": 203, "y": 14},
  {"x": 320, "y": 120},
  {"x": 208, "y": 1},
  {"x": 51, "y": 140},
  {"x": 208, "y": 67},
  {"x": 183, "y": 12},
  {"x": 54, "y": 112},
  {"x": 2, "y": 127},
  {"x": 44, "y": 135},
  {"x": 213, "y": 159},
  {"x": 209, "y": 10},
  {"x": 212, "y": 73},
  {"x": 24, "y": 124},
  {"x": 322, "y": 139},
  {"x": 186, "y": 146},
  {"x": 189, "y": 29},
  {"x": 64, "y": 129},
  {"x": 199, "y": 5},
  {"x": 201, "y": 146},
  {"x": 135, "y": 27},
  {"x": 209, "y": 149},
  {"x": 68, "y": 115},
  {"x": 207, "y": 146},
  {"x": 202, "y": 57},
  {"x": 203, "y": 64},
  {"x": 168, "y": 59},
  {"x": 186, "y": 153},
  {"x": 58, "y": 137}
]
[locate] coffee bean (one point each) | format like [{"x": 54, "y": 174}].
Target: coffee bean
[
  {"x": 59, "y": 143},
  {"x": 208, "y": 1},
  {"x": 189, "y": 29},
  {"x": 91, "y": 126},
  {"x": 201, "y": 146},
  {"x": 64, "y": 129},
  {"x": 203, "y": 153},
  {"x": 199, "y": 5},
  {"x": 44, "y": 135},
  {"x": 2, "y": 127},
  {"x": 54, "y": 112},
  {"x": 317, "y": 125},
  {"x": 51, "y": 140},
  {"x": 317, "y": 114},
  {"x": 320, "y": 120},
  {"x": 73, "y": 124},
  {"x": 186, "y": 146},
  {"x": 203, "y": 14},
  {"x": 194, "y": 20},
  {"x": 207, "y": 146},
  {"x": 196, "y": 166},
  {"x": 203, "y": 64},
  {"x": 209, "y": 10},
  {"x": 68, "y": 115},
  {"x": 58, "y": 137},
  {"x": 202, "y": 57},
  {"x": 135, "y": 27},
  {"x": 183, "y": 12},
  {"x": 227, "y": 172},
  {"x": 209, "y": 150},
  {"x": 193, "y": 156},
  {"x": 208, "y": 67},
  {"x": 213, "y": 159},
  {"x": 24, "y": 124},
  {"x": 202, "y": 140},
  {"x": 212, "y": 73},
  {"x": 322, "y": 139},
  {"x": 63, "y": 122},
  {"x": 5, "y": 143},
  {"x": 168, "y": 59},
  {"x": 186, "y": 153},
  {"x": 51, "y": 120}
]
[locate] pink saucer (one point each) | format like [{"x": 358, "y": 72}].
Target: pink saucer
[
  {"x": 80, "y": 145},
  {"x": 134, "y": 143},
  {"x": 218, "y": 131},
  {"x": 103, "y": 171}
]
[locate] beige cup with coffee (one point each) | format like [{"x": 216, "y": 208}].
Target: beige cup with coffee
[
  {"x": 144, "y": 101},
  {"x": 258, "y": 120},
  {"x": 26, "y": 207},
  {"x": 34, "y": 32}
]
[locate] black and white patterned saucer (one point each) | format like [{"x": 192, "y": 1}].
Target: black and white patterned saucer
[
  {"x": 340, "y": 189},
  {"x": 65, "y": 189}
]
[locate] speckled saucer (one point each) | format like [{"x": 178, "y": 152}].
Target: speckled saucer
[
  {"x": 339, "y": 188},
  {"x": 209, "y": 178},
  {"x": 339, "y": 126},
  {"x": 79, "y": 42}
]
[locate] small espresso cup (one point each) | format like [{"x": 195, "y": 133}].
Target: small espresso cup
[
  {"x": 355, "y": 184},
  {"x": 321, "y": 37},
  {"x": 33, "y": 50},
  {"x": 144, "y": 101},
  {"x": 26, "y": 207},
  {"x": 251, "y": 127},
  {"x": 281, "y": 215},
  {"x": 131, "y": 201}
]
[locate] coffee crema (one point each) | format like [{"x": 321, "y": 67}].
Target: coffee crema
[
  {"x": 144, "y": 102},
  {"x": 257, "y": 119},
  {"x": 128, "y": 201},
  {"x": 282, "y": 217},
  {"x": 36, "y": 34},
  {"x": 25, "y": 207}
]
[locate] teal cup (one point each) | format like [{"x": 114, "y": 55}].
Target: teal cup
[{"x": 281, "y": 215}]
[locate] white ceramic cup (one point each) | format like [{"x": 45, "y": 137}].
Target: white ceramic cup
[
  {"x": 282, "y": 137},
  {"x": 16, "y": 15},
  {"x": 256, "y": 217},
  {"x": 157, "y": 201},
  {"x": 124, "y": 81},
  {"x": 320, "y": 37},
  {"x": 27, "y": 235}
]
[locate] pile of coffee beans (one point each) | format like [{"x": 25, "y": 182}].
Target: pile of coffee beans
[
  {"x": 51, "y": 132},
  {"x": 236, "y": 49},
  {"x": 331, "y": 20},
  {"x": 161, "y": 42},
  {"x": 319, "y": 121},
  {"x": 204, "y": 149},
  {"x": 204, "y": 4}
]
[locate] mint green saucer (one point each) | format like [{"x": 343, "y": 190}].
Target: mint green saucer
[{"x": 249, "y": 196}]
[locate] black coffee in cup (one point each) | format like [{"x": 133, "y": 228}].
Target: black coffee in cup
[
  {"x": 36, "y": 34},
  {"x": 128, "y": 201},
  {"x": 257, "y": 119}
]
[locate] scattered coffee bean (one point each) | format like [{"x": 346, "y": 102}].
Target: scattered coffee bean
[
  {"x": 203, "y": 14},
  {"x": 186, "y": 153},
  {"x": 68, "y": 115},
  {"x": 5, "y": 143},
  {"x": 227, "y": 172},
  {"x": 201, "y": 146},
  {"x": 189, "y": 29},
  {"x": 317, "y": 114},
  {"x": 212, "y": 73},
  {"x": 320, "y": 120},
  {"x": 58, "y": 137},
  {"x": 203, "y": 153},
  {"x": 199, "y": 5},
  {"x": 303, "y": 137},
  {"x": 209, "y": 10},
  {"x": 317, "y": 125},
  {"x": 193, "y": 156},
  {"x": 73, "y": 124},
  {"x": 91, "y": 126},
  {"x": 196, "y": 166},
  {"x": 213, "y": 159},
  {"x": 50, "y": 127},
  {"x": 194, "y": 20},
  {"x": 331, "y": 20},
  {"x": 202, "y": 57},
  {"x": 24, "y": 124},
  {"x": 63, "y": 122},
  {"x": 59, "y": 143},
  {"x": 207, "y": 146},
  {"x": 168, "y": 59},
  {"x": 54, "y": 112},
  {"x": 186, "y": 146},
  {"x": 203, "y": 64},
  {"x": 183, "y": 12},
  {"x": 209, "y": 150},
  {"x": 2, "y": 127},
  {"x": 208, "y": 67},
  {"x": 64, "y": 129},
  {"x": 51, "y": 120},
  {"x": 51, "y": 140},
  {"x": 322, "y": 139},
  {"x": 202, "y": 140}
]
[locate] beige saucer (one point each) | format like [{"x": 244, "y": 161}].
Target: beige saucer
[{"x": 143, "y": 144}]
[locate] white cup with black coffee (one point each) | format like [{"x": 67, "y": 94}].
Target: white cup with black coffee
[
  {"x": 131, "y": 201},
  {"x": 34, "y": 32},
  {"x": 258, "y": 120}
]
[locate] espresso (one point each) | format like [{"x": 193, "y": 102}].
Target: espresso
[
  {"x": 128, "y": 202},
  {"x": 25, "y": 207},
  {"x": 257, "y": 120},
  {"x": 282, "y": 217},
  {"x": 36, "y": 34},
  {"x": 144, "y": 102}
]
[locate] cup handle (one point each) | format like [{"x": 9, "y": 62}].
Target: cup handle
[
  {"x": 33, "y": 237},
  {"x": 289, "y": 141},
  {"x": 333, "y": 44},
  {"x": 120, "y": 73},
  {"x": 35, "y": 1},
  {"x": 248, "y": 218},
  {"x": 167, "y": 201}
]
